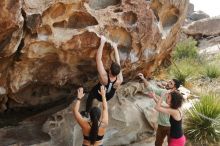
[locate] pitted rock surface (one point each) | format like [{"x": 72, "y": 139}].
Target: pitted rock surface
[{"x": 53, "y": 43}]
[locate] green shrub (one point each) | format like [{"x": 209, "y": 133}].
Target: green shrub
[
  {"x": 185, "y": 69},
  {"x": 212, "y": 71},
  {"x": 181, "y": 76},
  {"x": 185, "y": 49},
  {"x": 202, "y": 123}
]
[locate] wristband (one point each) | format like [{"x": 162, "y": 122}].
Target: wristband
[{"x": 78, "y": 99}]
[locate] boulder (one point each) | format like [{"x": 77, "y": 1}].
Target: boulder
[
  {"x": 206, "y": 32},
  {"x": 197, "y": 15},
  {"x": 209, "y": 45},
  {"x": 204, "y": 27},
  {"x": 49, "y": 47}
]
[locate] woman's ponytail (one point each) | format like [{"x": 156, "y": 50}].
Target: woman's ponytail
[
  {"x": 95, "y": 114},
  {"x": 94, "y": 131}
]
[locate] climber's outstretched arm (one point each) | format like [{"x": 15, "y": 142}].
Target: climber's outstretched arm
[
  {"x": 100, "y": 67},
  {"x": 117, "y": 59}
]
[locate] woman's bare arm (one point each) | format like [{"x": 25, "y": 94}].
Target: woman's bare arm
[
  {"x": 102, "y": 92},
  {"x": 162, "y": 109},
  {"x": 100, "y": 67},
  {"x": 117, "y": 58},
  {"x": 76, "y": 113},
  {"x": 156, "y": 98}
]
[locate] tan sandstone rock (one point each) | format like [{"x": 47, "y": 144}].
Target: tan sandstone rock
[{"x": 61, "y": 38}]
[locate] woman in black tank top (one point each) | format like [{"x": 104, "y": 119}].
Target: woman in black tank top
[{"x": 174, "y": 102}]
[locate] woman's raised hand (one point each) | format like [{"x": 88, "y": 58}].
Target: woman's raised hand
[
  {"x": 102, "y": 91},
  {"x": 103, "y": 39},
  {"x": 114, "y": 45},
  {"x": 80, "y": 93}
]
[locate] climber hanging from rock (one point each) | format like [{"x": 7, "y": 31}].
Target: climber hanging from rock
[{"x": 111, "y": 79}]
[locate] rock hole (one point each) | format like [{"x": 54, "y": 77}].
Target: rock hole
[
  {"x": 122, "y": 38},
  {"x": 129, "y": 18},
  {"x": 33, "y": 22},
  {"x": 119, "y": 35},
  {"x": 118, "y": 10},
  {"x": 101, "y": 4},
  {"x": 61, "y": 24},
  {"x": 170, "y": 17},
  {"x": 169, "y": 21},
  {"x": 59, "y": 118},
  {"x": 52, "y": 125},
  {"x": 167, "y": 16},
  {"x": 81, "y": 20},
  {"x": 57, "y": 10},
  {"x": 44, "y": 30},
  {"x": 114, "y": 20}
]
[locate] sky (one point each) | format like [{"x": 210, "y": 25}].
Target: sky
[{"x": 211, "y": 7}]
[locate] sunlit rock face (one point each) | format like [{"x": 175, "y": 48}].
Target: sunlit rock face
[{"x": 53, "y": 43}]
